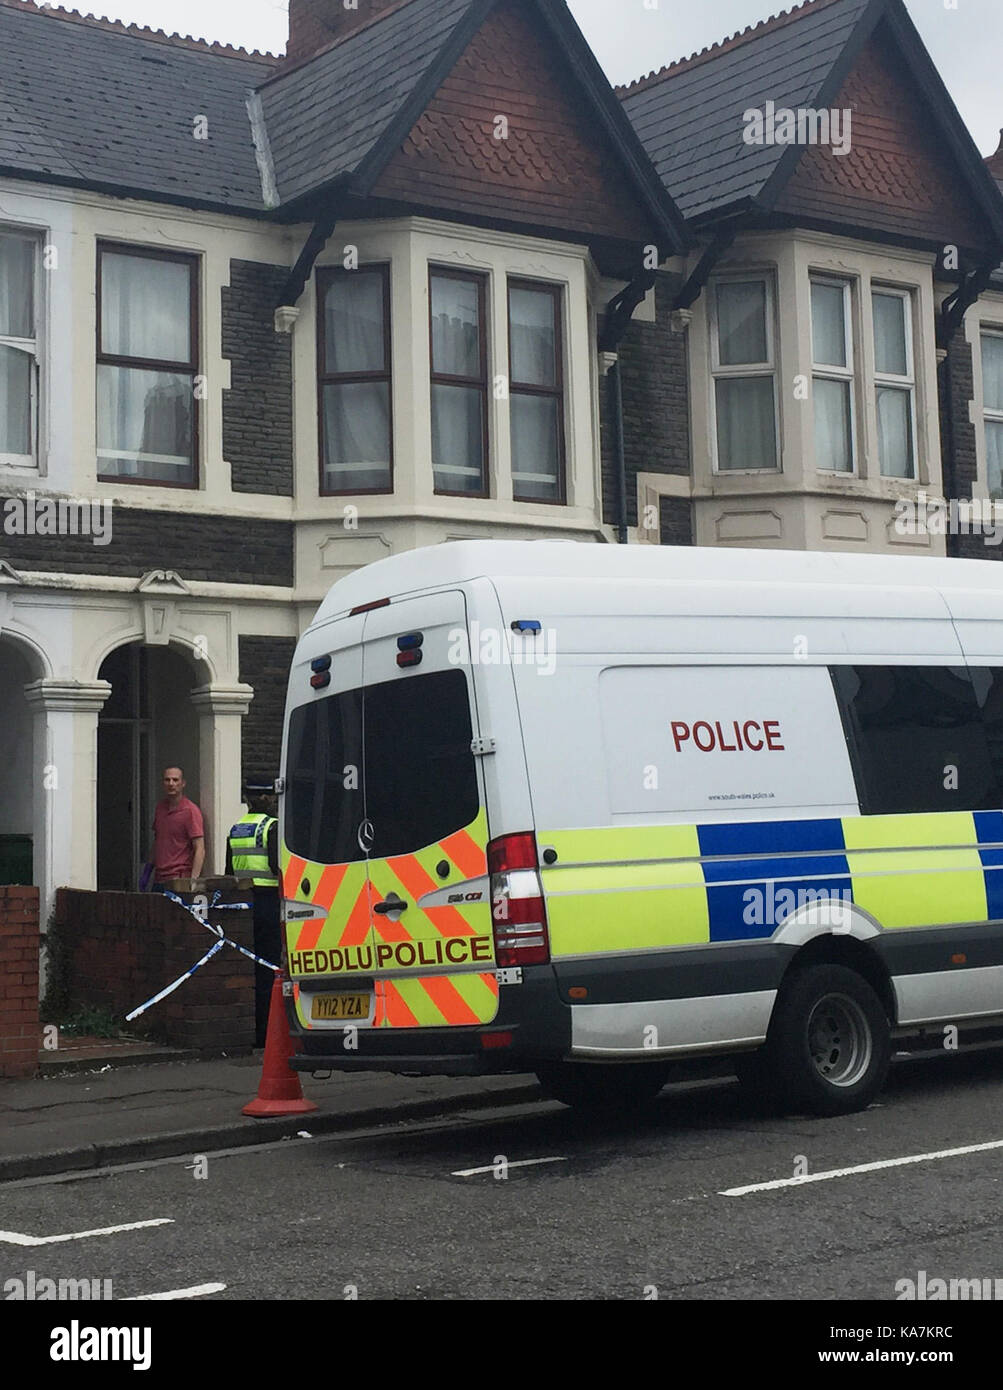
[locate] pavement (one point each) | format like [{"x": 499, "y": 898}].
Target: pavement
[{"x": 118, "y": 1113}]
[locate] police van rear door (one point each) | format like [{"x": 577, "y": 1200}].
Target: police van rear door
[{"x": 425, "y": 820}]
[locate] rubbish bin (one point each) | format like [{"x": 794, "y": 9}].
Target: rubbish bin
[{"x": 15, "y": 859}]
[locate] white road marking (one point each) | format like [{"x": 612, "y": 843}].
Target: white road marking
[
  {"x": 860, "y": 1168},
  {"x": 493, "y": 1167},
  {"x": 197, "y": 1291},
  {"x": 16, "y": 1238}
]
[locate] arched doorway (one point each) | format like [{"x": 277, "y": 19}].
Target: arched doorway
[
  {"x": 21, "y": 818},
  {"x": 147, "y": 724}
]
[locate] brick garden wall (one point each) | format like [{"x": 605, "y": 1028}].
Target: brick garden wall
[
  {"x": 19, "y": 1032},
  {"x": 118, "y": 949}
]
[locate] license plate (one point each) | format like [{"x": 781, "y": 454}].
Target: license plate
[{"x": 327, "y": 1006}]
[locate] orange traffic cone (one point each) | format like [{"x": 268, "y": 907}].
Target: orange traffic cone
[{"x": 279, "y": 1090}]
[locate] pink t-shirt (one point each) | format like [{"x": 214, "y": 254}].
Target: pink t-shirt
[{"x": 174, "y": 829}]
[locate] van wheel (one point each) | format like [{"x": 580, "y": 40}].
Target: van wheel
[
  {"x": 828, "y": 1049},
  {"x": 601, "y": 1086}
]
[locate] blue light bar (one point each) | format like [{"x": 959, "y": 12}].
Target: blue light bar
[
  {"x": 320, "y": 663},
  {"x": 526, "y": 625},
  {"x": 410, "y": 641}
]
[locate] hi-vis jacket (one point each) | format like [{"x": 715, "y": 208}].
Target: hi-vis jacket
[{"x": 249, "y": 849}]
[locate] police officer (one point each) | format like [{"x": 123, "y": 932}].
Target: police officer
[{"x": 252, "y": 851}]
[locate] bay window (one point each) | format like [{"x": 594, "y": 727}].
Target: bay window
[
  {"x": 894, "y": 382},
  {"x": 832, "y": 375},
  {"x": 744, "y": 374},
  {"x": 356, "y": 446},
  {"x": 536, "y": 395},
  {"x": 18, "y": 350},
  {"x": 459, "y": 383},
  {"x": 992, "y": 407},
  {"x": 147, "y": 413}
]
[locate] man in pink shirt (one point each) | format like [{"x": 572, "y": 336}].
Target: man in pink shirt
[{"x": 178, "y": 833}]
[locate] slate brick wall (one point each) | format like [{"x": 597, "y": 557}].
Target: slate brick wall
[
  {"x": 956, "y": 388},
  {"x": 258, "y": 407},
  {"x": 264, "y": 664},
  {"x": 19, "y": 1031},
  {"x": 675, "y": 521},
  {"x": 226, "y": 549},
  {"x": 656, "y": 429}
]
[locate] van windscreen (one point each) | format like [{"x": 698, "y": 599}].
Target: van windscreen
[{"x": 414, "y": 774}]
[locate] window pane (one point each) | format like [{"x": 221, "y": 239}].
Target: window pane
[
  {"x": 420, "y": 777},
  {"x": 994, "y": 457},
  {"x": 895, "y": 432},
  {"x": 741, "y": 322},
  {"x": 828, "y": 324},
  {"x": 357, "y": 436},
  {"x": 890, "y": 356},
  {"x": 905, "y": 724},
  {"x": 992, "y": 370},
  {"x": 355, "y": 323},
  {"x": 457, "y": 438},
  {"x": 456, "y": 338},
  {"x": 833, "y": 447},
  {"x": 17, "y": 287},
  {"x": 145, "y": 308},
  {"x": 145, "y": 424},
  {"x": 15, "y": 401},
  {"x": 746, "y": 423},
  {"x": 535, "y": 447},
  {"x": 532, "y": 336},
  {"x": 322, "y": 814}
]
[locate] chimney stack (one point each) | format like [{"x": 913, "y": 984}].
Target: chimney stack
[
  {"x": 995, "y": 161},
  {"x": 313, "y": 24}
]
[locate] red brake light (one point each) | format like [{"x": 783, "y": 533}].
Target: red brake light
[
  {"x": 367, "y": 607},
  {"x": 518, "y": 912}
]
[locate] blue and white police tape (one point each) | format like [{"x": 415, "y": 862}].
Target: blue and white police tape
[
  {"x": 218, "y": 931},
  {"x": 220, "y": 943}
]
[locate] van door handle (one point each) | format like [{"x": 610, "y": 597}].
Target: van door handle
[{"x": 390, "y": 904}]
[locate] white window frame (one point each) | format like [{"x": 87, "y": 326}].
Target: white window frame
[
  {"x": 30, "y": 346},
  {"x": 745, "y": 370},
  {"x": 989, "y": 415},
  {"x": 827, "y": 371},
  {"x": 898, "y": 383}
]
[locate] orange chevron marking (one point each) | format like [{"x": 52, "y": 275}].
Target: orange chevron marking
[
  {"x": 492, "y": 983},
  {"x": 291, "y": 877},
  {"x": 357, "y": 927},
  {"x": 327, "y": 891},
  {"x": 417, "y": 882},
  {"x": 465, "y": 853},
  {"x": 448, "y": 1000},
  {"x": 398, "y": 1014}
]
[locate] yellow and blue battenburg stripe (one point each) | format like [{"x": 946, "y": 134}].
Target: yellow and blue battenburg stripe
[{"x": 645, "y": 887}]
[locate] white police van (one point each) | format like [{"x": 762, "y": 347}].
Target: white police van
[{"x": 589, "y": 811}]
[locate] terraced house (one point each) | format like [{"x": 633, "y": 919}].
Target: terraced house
[{"x": 428, "y": 276}]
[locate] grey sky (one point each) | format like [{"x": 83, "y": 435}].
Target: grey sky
[{"x": 631, "y": 37}]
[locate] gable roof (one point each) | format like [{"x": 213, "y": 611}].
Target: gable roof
[
  {"x": 104, "y": 106},
  {"x": 386, "y": 73},
  {"x": 689, "y": 116}
]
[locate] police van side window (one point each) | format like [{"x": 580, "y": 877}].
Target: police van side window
[{"x": 918, "y": 739}]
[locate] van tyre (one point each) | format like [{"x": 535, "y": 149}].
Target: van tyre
[
  {"x": 602, "y": 1087},
  {"x": 828, "y": 1049}
]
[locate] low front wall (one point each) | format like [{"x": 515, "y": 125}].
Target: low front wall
[
  {"x": 19, "y": 1033},
  {"x": 119, "y": 949}
]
